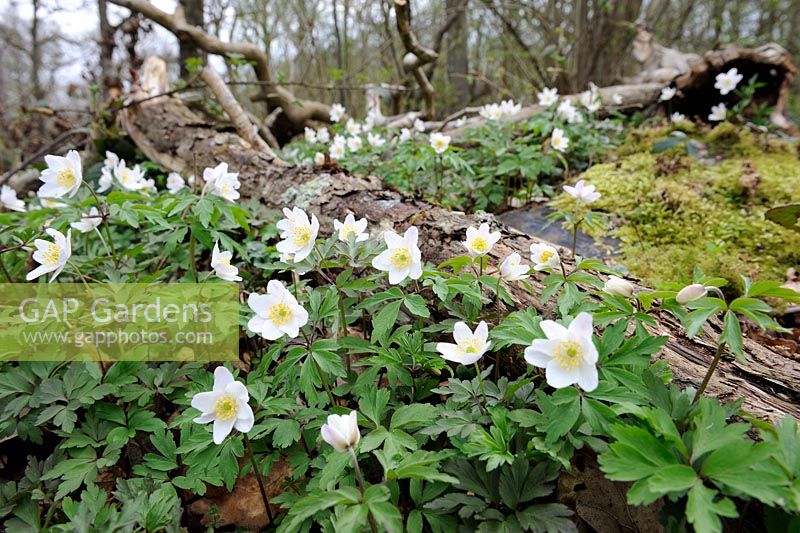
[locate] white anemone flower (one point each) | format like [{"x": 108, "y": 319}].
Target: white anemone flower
[
  {"x": 352, "y": 127},
  {"x": 419, "y": 125},
  {"x": 319, "y": 159},
  {"x": 310, "y": 135},
  {"x": 459, "y": 122},
  {"x": 341, "y": 431},
  {"x": 719, "y": 113},
  {"x": 62, "y": 177},
  {"x": 582, "y": 192},
  {"x": 617, "y": 286},
  {"x": 111, "y": 160},
  {"x": 9, "y": 200},
  {"x": 405, "y": 135},
  {"x": 590, "y": 100},
  {"x": 691, "y": 293},
  {"x": 667, "y": 93},
  {"x": 402, "y": 258},
  {"x": 50, "y": 203},
  {"x": 617, "y": 99},
  {"x": 51, "y": 256},
  {"x": 439, "y": 142},
  {"x": 469, "y": 346},
  {"x": 354, "y": 144},
  {"x": 277, "y": 313},
  {"x": 512, "y": 268},
  {"x": 559, "y": 141},
  {"x": 677, "y": 117},
  {"x": 323, "y": 135},
  {"x": 375, "y": 140},
  {"x": 544, "y": 256},
  {"x": 221, "y": 182},
  {"x": 337, "y": 151},
  {"x": 88, "y": 221},
  {"x": 351, "y": 226},
  {"x": 727, "y": 81},
  {"x": 299, "y": 234},
  {"x": 547, "y": 97},
  {"x": 221, "y": 263},
  {"x": 175, "y": 182},
  {"x": 480, "y": 241},
  {"x": 225, "y": 405},
  {"x": 567, "y": 111},
  {"x": 337, "y": 112},
  {"x": 130, "y": 179},
  {"x": 106, "y": 180},
  {"x": 568, "y": 355},
  {"x": 508, "y": 108},
  {"x": 491, "y": 112}
]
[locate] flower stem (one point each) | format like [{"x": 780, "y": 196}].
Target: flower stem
[
  {"x": 323, "y": 378},
  {"x": 575, "y": 236},
  {"x": 483, "y": 386},
  {"x": 710, "y": 372},
  {"x": 260, "y": 479},
  {"x": 360, "y": 481},
  {"x": 105, "y": 224},
  {"x": 192, "y": 259}
]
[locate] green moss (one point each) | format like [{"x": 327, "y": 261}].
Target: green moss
[{"x": 673, "y": 212}]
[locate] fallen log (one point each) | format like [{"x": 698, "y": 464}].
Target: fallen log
[
  {"x": 771, "y": 63},
  {"x": 171, "y": 134}
]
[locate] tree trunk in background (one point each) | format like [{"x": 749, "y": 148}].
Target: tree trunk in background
[
  {"x": 36, "y": 55},
  {"x": 171, "y": 134},
  {"x": 109, "y": 78},
  {"x": 457, "y": 53},
  {"x": 194, "y": 14}
]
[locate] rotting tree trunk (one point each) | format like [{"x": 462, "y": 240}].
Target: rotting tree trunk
[{"x": 169, "y": 133}]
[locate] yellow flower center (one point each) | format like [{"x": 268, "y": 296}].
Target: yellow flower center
[
  {"x": 347, "y": 230},
  {"x": 546, "y": 256},
  {"x": 51, "y": 254},
  {"x": 480, "y": 245},
  {"x": 224, "y": 261},
  {"x": 474, "y": 345},
  {"x": 280, "y": 314},
  {"x": 568, "y": 354},
  {"x": 226, "y": 188},
  {"x": 226, "y": 407},
  {"x": 65, "y": 177},
  {"x": 301, "y": 235},
  {"x": 438, "y": 143},
  {"x": 400, "y": 258}
]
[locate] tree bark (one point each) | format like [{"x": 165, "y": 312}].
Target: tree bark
[
  {"x": 171, "y": 134},
  {"x": 458, "y": 52},
  {"x": 193, "y": 12}
]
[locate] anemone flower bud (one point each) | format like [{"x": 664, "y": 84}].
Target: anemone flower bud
[
  {"x": 617, "y": 286},
  {"x": 691, "y": 293},
  {"x": 341, "y": 431}
]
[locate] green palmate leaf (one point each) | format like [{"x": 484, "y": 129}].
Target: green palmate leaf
[
  {"x": 315, "y": 502},
  {"x": 732, "y": 335},
  {"x": 416, "y": 305},
  {"x": 384, "y": 320},
  {"x": 518, "y": 328},
  {"x": 703, "y": 508},
  {"x": 413, "y": 415},
  {"x": 787, "y": 216},
  {"x": 673, "y": 478},
  {"x": 547, "y": 518}
]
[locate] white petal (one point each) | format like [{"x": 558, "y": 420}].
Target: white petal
[
  {"x": 396, "y": 276},
  {"x": 581, "y": 326},
  {"x": 538, "y": 353},
  {"x": 482, "y": 331},
  {"x": 587, "y": 377},
  {"x": 204, "y": 401},
  {"x": 393, "y": 240},
  {"x": 449, "y": 351},
  {"x": 415, "y": 272},
  {"x": 222, "y": 378},
  {"x": 411, "y": 236},
  {"x": 559, "y": 377},
  {"x": 238, "y": 390},
  {"x": 205, "y": 418},
  {"x": 461, "y": 332},
  {"x": 258, "y": 303},
  {"x": 383, "y": 261},
  {"x": 244, "y": 419},
  {"x": 39, "y": 271},
  {"x": 222, "y": 428},
  {"x": 553, "y": 330}
]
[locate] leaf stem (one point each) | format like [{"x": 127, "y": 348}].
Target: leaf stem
[
  {"x": 483, "y": 386},
  {"x": 260, "y": 479},
  {"x": 717, "y": 356}
]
